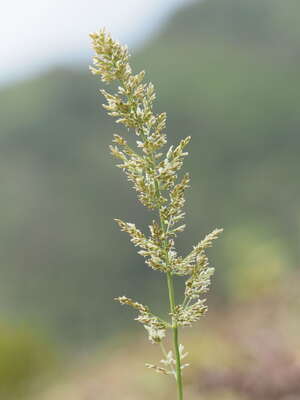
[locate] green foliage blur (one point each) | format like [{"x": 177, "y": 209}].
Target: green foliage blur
[
  {"x": 227, "y": 73},
  {"x": 25, "y": 356}
]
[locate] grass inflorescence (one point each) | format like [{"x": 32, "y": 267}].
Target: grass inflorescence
[{"x": 154, "y": 174}]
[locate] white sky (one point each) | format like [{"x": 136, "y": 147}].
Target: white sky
[{"x": 36, "y": 34}]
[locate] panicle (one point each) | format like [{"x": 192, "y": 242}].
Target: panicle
[
  {"x": 154, "y": 174},
  {"x": 132, "y": 106}
]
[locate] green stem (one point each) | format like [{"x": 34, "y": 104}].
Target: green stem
[
  {"x": 172, "y": 309},
  {"x": 175, "y": 337}
]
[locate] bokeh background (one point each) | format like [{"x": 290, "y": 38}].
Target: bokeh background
[{"x": 227, "y": 73}]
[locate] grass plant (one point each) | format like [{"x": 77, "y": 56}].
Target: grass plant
[{"x": 154, "y": 174}]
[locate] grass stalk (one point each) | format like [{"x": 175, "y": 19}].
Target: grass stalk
[{"x": 175, "y": 337}]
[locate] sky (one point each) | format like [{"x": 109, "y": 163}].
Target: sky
[{"x": 38, "y": 34}]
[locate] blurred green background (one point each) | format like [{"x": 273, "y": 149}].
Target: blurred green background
[{"x": 227, "y": 73}]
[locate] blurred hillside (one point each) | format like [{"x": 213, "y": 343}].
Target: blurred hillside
[{"x": 227, "y": 73}]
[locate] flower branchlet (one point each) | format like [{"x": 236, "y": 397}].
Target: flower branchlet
[
  {"x": 169, "y": 363},
  {"x": 155, "y": 326},
  {"x": 154, "y": 174}
]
